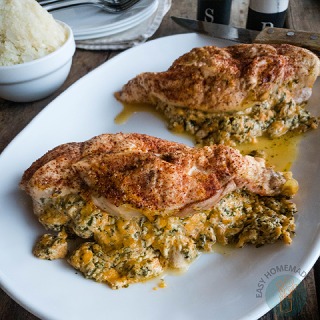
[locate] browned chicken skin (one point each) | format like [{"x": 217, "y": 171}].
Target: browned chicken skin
[
  {"x": 228, "y": 79},
  {"x": 134, "y": 174}
]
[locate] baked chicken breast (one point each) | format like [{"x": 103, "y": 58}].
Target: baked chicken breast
[
  {"x": 234, "y": 94},
  {"x": 145, "y": 204},
  {"x": 134, "y": 174}
]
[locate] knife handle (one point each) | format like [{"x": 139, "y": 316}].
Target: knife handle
[{"x": 309, "y": 40}]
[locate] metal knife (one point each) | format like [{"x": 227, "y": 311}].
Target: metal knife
[{"x": 309, "y": 40}]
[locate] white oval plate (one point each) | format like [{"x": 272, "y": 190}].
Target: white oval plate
[{"x": 216, "y": 286}]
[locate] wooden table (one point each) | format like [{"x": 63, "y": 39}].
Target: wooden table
[{"x": 302, "y": 15}]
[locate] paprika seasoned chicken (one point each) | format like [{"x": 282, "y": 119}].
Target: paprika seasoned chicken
[
  {"x": 144, "y": 204},
  {"x": 234, "y": 94}
]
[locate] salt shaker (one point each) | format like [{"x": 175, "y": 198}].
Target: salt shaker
[
  {"x": 217, "y": 11},
  {"x": 266, "y": 13}
]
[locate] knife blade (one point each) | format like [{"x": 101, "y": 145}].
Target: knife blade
[{"x": 309, "y": 40}]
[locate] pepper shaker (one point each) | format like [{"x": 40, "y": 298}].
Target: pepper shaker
[
  {"x": 266, "y": 13},
  {"x": 217, "y": 11}
]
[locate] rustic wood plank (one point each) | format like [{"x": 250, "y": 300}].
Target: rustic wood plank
[
  {"x": 299, "y": 10},
  {"x": 10, "y": 310}
]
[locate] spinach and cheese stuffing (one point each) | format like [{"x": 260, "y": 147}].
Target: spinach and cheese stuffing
[
  {"x": 121, "y": 252},
  {"x": 139, "y": 205},
  {"x": 262, "y": 119}
]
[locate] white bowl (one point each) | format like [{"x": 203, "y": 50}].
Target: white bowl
[{"x": 39, "y": 78}]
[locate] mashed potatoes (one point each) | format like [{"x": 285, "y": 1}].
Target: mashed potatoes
[{"x": 27, "y": 32}]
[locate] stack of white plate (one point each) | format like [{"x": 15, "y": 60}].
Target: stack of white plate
[{"x": 90, "y": 22}]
